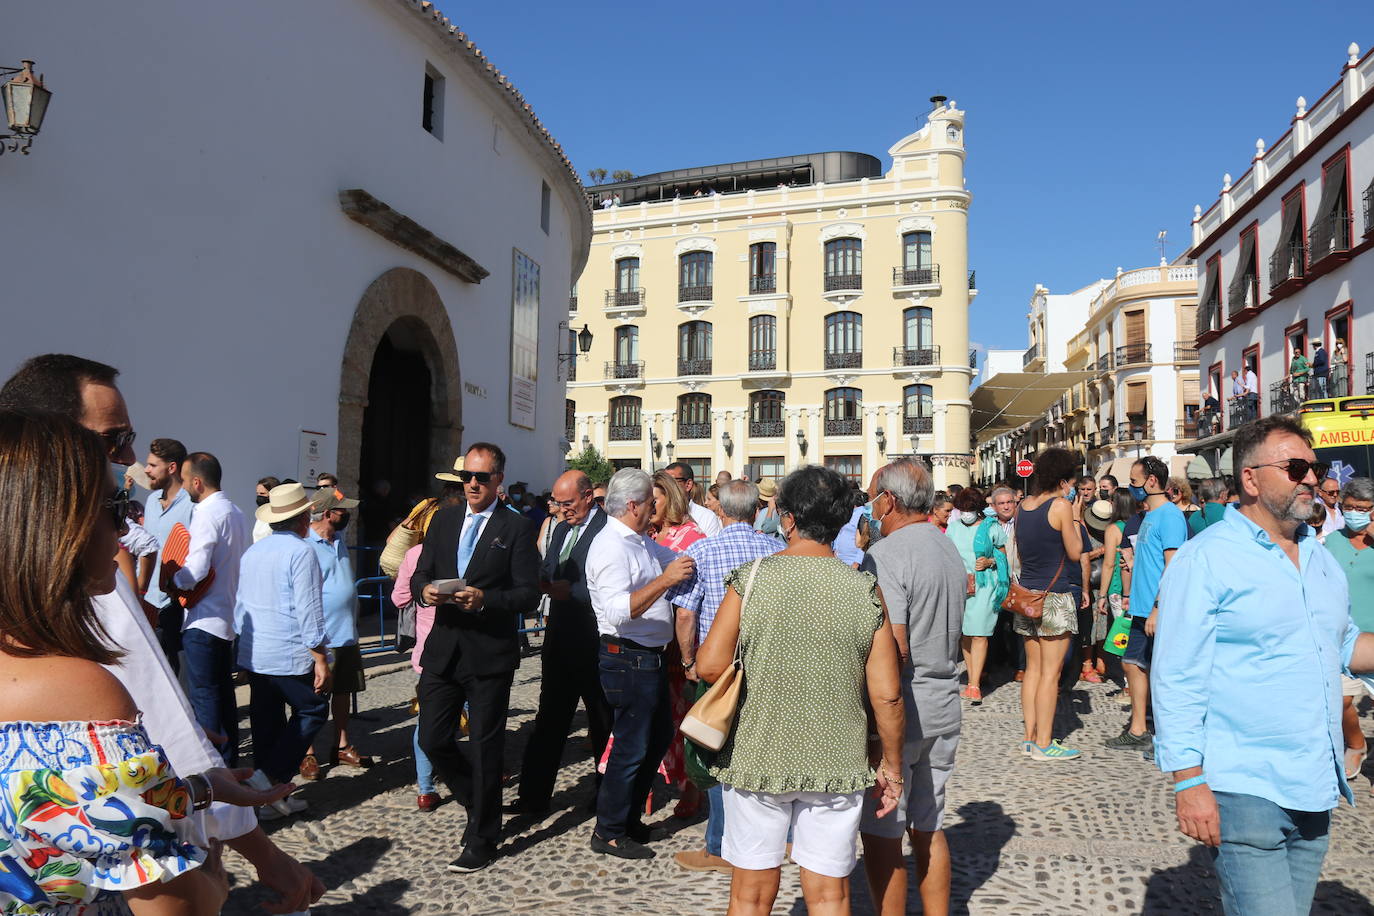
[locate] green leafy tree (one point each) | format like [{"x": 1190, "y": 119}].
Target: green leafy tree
[
  {"x": 622, "y": 175},
  {"x": 596, "y": 175},
  {"x": 593, "y": 464}
]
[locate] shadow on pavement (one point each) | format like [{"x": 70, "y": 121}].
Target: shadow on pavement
[
  {"x": 335, "y": 869},
  {"x": 1192, "y": 888}
]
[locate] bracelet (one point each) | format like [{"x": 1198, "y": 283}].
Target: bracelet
[
  {"x": 688, "y": 666},
  {"x": 892, "y": 780},
  {"x": 1189, "y": 783},
  {"x": 204, "y": 798}
]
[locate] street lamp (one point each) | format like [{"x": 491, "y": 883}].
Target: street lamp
[
  {"x": 801, "y": 441},
  {"x": 881, "y": 436},
  {"x": 1137, "y": 434},
  {"x": 726, "y": 443},
  {"x": 669, "y": 449},
  {"x": 584, "y": 343},
  {"x": 26, "y": 102}
]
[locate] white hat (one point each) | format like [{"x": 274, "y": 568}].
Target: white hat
[
  {"x": 284, "y": 502},
  {"x": 1099, "y": 515},
  {"x": 452, "y": 478}
]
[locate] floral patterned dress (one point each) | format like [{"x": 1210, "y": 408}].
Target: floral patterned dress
[
  {"x": 679, "y": 538},
  {"x": 88, "y": 809}
]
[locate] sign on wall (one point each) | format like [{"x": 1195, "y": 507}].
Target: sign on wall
[
  {"x": 311, "y": 462},
  {"x": 524, "y": 340}
]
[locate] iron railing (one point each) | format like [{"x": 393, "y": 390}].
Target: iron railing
[
  {"x": 1283, "y": 398},
  {"x": 633, "y": 368},
  {"x": 572, "y": 303},
  {"x": 626, "y": 433},
  {"x": 849, "y": 359},
  {"x": 624, "y": 298},
  {"x": 1092, "y": 440},
  {"x": 1104, "y": 362},
  {"x": 1338, "y": 381},
  {"x": 916, "y": 276},
  {"x": 1243, "y": 294},
  {"x": 1288, "y": 263},
  {"x": 973, "y": 279},
  {"x": 835, "y": 282},
  {"x": 763, "y": 360},
  {"x": 1369, "y": 210},
  {"x": 1237, "y": 412},
  {"x": 1329, "y": 235},
  {"x": 916, "y": 356},
  {"x": 1186, "y": 428},
  {"x": 694, "y": 293},
  {"x": 766, "y": 429},
  {"x": 1033, "y": 352},
  {"x": 918, "y": 425},
  {"x": 973, "y": 359},
  {"x": 851, "y": 427},
  {"x": 1209, "y": 424},
  {"x": 1132, "y": 354},
  {"x": 693, "y": 366},
  {"x": 693, "y": 430},
  {"x": 1184, "y": 353},
  {"x": 1125, "y": 432},
  {"x": 766, "y": 283},
  {"x": 1104, "y": 435}
]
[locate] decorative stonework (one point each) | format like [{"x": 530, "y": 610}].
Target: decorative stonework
[
  {"x": 396, "y": 227},
  {"x": 915, "y": 224},
  {"x": 757, "y": 235},
  {"x": 627, "y": 251},
  {"x": 843, "y": 231},
  {"x": 695, "y": 243}
]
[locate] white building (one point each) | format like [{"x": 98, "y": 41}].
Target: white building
[
  {"x": 291, "y": 223},
  {"x": 1279, "y": 255}
]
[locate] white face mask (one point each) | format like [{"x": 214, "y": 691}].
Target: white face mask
[{"x": 968, "y": 518}]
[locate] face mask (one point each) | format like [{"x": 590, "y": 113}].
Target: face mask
[
  {"x": 342, "y": 523},
  {"x": 1137, "y": 493},
  {"x": 968, "y": 518},
  {"x": 989, "y": 512},
  {"x": 264, "y": 500},
  {"x": 1356, "y": 521}
]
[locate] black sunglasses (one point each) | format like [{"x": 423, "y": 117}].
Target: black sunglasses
[
  {"x": 482, "y": 476},
  {"x": 1297, "y": 468},
  {"x": 118, "y": 504},
  {"x": 116, "y": 440}
]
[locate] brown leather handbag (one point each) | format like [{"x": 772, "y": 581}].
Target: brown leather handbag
[{"x": 1029, "y": 602}]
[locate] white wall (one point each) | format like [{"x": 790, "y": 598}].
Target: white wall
[{"x": 180, "y": 220}]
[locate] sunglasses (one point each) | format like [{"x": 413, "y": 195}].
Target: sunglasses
[
  {"x": 118, "y": 504},
  {"x": 116, "y": 440},
  {"x": 1298, "y": 468},
  {"x": 481, "y": 476}
]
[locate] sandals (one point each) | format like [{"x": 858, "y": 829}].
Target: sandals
[
  {"x": 1358, "y": 754},
  {"x": 1090, "y": 674}
]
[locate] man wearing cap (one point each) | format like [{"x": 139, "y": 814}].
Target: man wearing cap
[
  {"x": 329, "y": 516},
  {"x": 479, "y": 570},
  {"x": 279, "y": 615}
]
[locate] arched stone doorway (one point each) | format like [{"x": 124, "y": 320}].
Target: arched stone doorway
[{"x": 400, "y": 397}]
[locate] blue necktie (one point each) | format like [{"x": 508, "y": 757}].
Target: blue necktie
[{"x": 469, "y": 544}]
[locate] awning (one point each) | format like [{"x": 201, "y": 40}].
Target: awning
[
  {"x": 1224, "y": 463},
  {"x": 1120, "y": 468},
  {"x": 1198, "y": 469},
  {"x": 1011, "y": 399},
  {"x": 1198, "y": 446}
]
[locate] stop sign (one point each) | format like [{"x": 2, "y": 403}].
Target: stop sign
[{"x": 1024, "y": 467}]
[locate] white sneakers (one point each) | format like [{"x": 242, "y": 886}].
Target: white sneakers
[{"x": 284, "y": 807}]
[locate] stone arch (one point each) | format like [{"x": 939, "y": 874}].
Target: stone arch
[{"x": 403, "y": 304}]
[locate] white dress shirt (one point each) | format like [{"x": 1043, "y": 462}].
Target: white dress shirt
[
  {"x": 621, "y": 562},
  {"x": 706, "y": 520},
  {"x": 219, "y": 536},
  {"x": 1251, "y": 383},
  {"x": 1335, "y": 520},
  {"x": 167, "y": 715},
  {"x": 139, "y": 541}
]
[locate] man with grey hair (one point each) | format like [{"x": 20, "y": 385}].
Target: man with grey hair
[
  {"x": 1212, "y": 492},
  {"x": 628, "y": 577},
  {"x": 696, "y": 600},
  {"x": 924, "y": 586}
]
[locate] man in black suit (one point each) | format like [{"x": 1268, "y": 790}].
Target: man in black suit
[
  {"x": 570, "y": 646},
  {"x": 473, "y": 650}
]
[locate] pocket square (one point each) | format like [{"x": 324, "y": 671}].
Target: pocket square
[{"x": 499, "y": 544}]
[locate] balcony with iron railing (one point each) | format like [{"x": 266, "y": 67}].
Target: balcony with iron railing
[
  {"x": 1338, "y": 381},
  {"x": 843, "y": 282},
  {"x": 1184, "y": 353},
  {"x": 1034, "y": 353},
  {"x": 631, "y": 368},
  {"x": 1104, "y": 435},
  {"x": 763, "y": 360},
  {"x": 1132, "y": 354},
  {"x": 694, "y": 293},
  {"x": 1283, "y": 398},
  {"x": 1369, "y": 210},
  {"x": 973, "y": 359},
  {"x": 693, "y": 366},
  {"x": 846, "y": 359},
  {"x": 626, "y": 432},
  {"x": 1104, "y": 362},
  {"x": 921, "y": 426},
  {"x": 693, "y": 430},
  {"x": 1187, "y": 428},
  {"x": 569, "y": 432},
  {"x": 1243, "y": 295},
  {"x": 1092, "y": 440},
  {"x": 1237, "y": 412},
  {"x": 850, "y": 427},
  {"x": 973, "y": 279},
  {"x": 1127, "y": 432},
  {"x": 916, "y": 356},
  {"x": 572, "y": 303},
  {"x": 1329, "y": 235},
  {"x": 1208, "y": 424},
  {"x": 1287, "y": 264},
  {"x": 763, "y": 284},
  {"x": 766, "y": 429},
  {"x": 903, "y": 277},
  {"x": 624, "y": 299}
]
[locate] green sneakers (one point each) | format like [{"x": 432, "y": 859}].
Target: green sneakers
[
  {"x": 1054, "y": 751},
  {"x": 1129, "y": 742}
]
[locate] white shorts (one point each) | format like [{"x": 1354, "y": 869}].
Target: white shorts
[{"x": 824, "y": 825}]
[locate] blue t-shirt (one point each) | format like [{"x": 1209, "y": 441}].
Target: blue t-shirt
[
  {"x": 1163, "y": 528},
  {"x": 340, "y": 593}
]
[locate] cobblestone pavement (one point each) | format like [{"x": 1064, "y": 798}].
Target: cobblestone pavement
[{"x": 1089, "y": 836}]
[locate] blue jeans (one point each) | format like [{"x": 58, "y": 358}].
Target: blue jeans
[
  {"x": 636, "y": 685},
  {"x": 424, "y": 770},
  {"x": 715, "y": 819},
  {"x": 279, "y": 745},
  {"x": 1269, "y": 857},
  {"x": 209, "y": 678}
]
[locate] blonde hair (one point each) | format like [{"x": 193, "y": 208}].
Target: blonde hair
[
  {"x": 677, "y": 500},
  {"x": 1184, "y": 488}
]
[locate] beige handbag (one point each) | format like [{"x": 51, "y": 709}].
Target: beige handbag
[
  {"x": 710, "y": 719},
  {"x": 405, "y": 536}
]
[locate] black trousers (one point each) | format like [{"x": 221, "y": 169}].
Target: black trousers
[
  {"x": 472, "y": 769},
  {"x": 569, "y": 674}
]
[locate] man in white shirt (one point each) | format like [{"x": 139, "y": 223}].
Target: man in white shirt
[
  {"x": 1251, "y": 394},
  {"x": 1329, "y": 492},
  {"x": 219, "y": 536},
  {"x": 85, "y": 390},
  {"x": 628, "y": 576},
  {"x": 706, "y": 519}
]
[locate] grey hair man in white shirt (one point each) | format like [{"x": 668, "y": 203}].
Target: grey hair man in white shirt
[
  {"x": 706, "y": 520},
  {"x": 628, "y": 576}
]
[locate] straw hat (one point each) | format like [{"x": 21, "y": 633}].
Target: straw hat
[
  {"x": 1099, "y": 515},
  {"x": 452, "y": 478},
  {"x": 768, "y": 489},
  {"x": 284, "y": 502}
]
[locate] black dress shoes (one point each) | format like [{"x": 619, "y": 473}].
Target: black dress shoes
[
  {"x": 624, "y": 848},
  {"x": 475, "y": 857}
]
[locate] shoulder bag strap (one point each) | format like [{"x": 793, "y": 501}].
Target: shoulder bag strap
[{"x": 748, "y": 588}]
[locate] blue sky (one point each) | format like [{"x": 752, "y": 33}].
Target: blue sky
[{"x": 1090, "y": 126}]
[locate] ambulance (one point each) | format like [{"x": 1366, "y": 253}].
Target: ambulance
[{"x": 1342, "y": 434}]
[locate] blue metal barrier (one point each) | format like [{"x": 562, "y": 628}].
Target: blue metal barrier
[{"x": 382, "y": 596}]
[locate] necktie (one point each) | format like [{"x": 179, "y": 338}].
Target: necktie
[
  {"x": 568, "y": 543},
  {"x": 469, "y": 544}
]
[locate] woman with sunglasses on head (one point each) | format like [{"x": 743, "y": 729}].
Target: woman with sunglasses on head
[{"x": 92, "y": 812}]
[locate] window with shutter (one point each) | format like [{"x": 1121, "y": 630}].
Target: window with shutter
[
  {"x": 1209, "y": 306},
  {"x": 1330, "y": 231},
  {"x": 1135, "y": 399}
]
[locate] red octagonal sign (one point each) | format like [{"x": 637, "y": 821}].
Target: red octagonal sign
[{"x": 1024, "y": 467}]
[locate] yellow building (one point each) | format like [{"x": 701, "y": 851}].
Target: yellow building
[{"x": 761, "y": 315}]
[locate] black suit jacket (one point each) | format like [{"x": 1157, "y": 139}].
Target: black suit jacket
[
  {"x": 505, "y": 566},
  {"x": 572, "y": 623}
]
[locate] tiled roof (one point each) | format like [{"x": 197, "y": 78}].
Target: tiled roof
[{"x": 466, "y": 45}]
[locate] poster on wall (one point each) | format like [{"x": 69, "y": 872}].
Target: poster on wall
[
  {"x": 311, "y": 463},
  {"x": 524, "y": 340}
]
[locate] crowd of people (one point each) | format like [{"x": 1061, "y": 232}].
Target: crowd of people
[{"x": 864, "y": 622}]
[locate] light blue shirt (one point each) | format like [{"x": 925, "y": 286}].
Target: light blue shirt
[
  {"x": 340, "y": 592},
  {"x": 279, "y": 610},
  {"x": 159, "y": 522},
  {"x": 1163, "y": 528},
  {"x": 1248, "y": 654},
  {"x": 844, "y": 545}
]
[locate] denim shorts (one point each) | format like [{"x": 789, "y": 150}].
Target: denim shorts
[{"x": 1140, "y": 646}]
